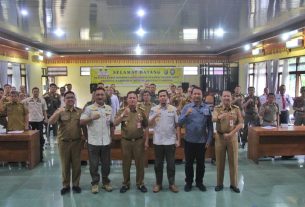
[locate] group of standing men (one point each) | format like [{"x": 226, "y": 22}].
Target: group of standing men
[
  {"x": 269, "y": 109},
  {"x": 196, "y": 117}
]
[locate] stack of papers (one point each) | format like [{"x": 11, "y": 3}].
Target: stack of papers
[
  {"x": 15, "y": 132},
  {"x": 268, "y": 127}
]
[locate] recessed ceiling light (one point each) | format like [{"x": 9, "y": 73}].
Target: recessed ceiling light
[
  {"x": 141, "y": 13},
  {"x": 219, "y": 32},
  {"x": 24, "y": 12},
  {"x": 27, "y": 49},
  {"x": 59, "y": 32},
  {"x": 287, "y": 35},
  {"x": 247, "y": 47},
  {"x": 140, "y": 32},
  {"x": 138, "y": 50},
  {"x": 255, "y": 43},
  {"x": 190, "y": 34},
  {"x": 89, "y": 50},
  {"x": 48, "y": 54}
]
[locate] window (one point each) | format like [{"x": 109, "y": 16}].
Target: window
[
  {"x": 257, "y": 76},
  {"x": 261, "y": 80},
  {"x": 23, "y": 74},
  {"x": 85, "y": 71},
  {"x": 57, "y": 71},
  {"x": 9, "y": 73},
  {"x": 296, "y": 77},
  {"x": 251, "y": 75},
  {"x": 190, "y": 70}
]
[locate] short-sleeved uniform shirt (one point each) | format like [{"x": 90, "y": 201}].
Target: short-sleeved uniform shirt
[
  {"x": 69, "y": 128},
  {"x": 15, "y": 113},
  {"x": 132, "y": 126}
]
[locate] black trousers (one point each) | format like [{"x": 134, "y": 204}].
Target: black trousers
[
  {"x": 99, "y": 154},
  {"x": 39, "y": 126},
  {"x": 284, "y": 117},
  {"x": 194, "y": 151},
  {"x": 168, "y": 152}
]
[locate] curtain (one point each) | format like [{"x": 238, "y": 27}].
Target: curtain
[
  {"x": 16, "y": 79},
  {"x": 285, "y": 75},
  {"x": 260, "y": 78},
  {"x": 27, "y": 72},
  {"x": 274, "y": 77},
  {"x": 246, "y": 74},
  {"x": 3, "y": 73}
]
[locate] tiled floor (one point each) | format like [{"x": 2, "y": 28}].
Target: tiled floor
[{"x": 271, "y": 183}]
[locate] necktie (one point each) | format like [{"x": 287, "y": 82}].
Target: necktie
[{"x": 284, "y": 102}]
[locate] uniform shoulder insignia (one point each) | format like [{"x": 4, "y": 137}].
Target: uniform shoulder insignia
[
  {"x": 234, "y": 106},
  {"x": 218, "y": 106},
  {"x": 171, "y": 107},
  {"x": 108, "y": 107},
  {"x": 141, "y": 108}
]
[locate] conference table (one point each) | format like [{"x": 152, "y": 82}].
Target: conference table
[
  {"x": 21, "y": 147},
  {"x": 279, "y": 141},
  {"x": 116, "y": 153}
]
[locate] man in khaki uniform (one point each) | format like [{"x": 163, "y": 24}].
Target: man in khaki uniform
[
  {"x": 299, "y": 107},
  {"x": 177, "y": 99},
  {"x": 134, "y": 135},
  {"x": 3, "y": 120},
  {"x": 238, "y": 97},
  {"x": 251, "y": 105},
  {"x": 69, "y": 142},
  {"x": 270, "y": 111},
  {"x": 229, "y": 121},
  {"x": 17, "y": 114},
  {"x": 146, "y": 104},
  {"x": 53, "y": 103}
]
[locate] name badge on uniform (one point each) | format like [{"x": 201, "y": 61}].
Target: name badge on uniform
[
  {"x": 138, "y": 125},
  {"x": 231, "y": 122}
]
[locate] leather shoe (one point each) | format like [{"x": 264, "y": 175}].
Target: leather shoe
[
  {"x": 124, "y": 188},
  {"x": 235, "y": 189},
  {"x": 201, "y": 187},
  {"x": 64, "y": 190},
  {"x": 142, "y": 188},
  {"x": 173, "y": 188},
  {"x": 187, "y": 187},
  {"x": 76, "y": 189},
  {"x": 156, "y": 188},
  {"x": 218, "y": 188}
]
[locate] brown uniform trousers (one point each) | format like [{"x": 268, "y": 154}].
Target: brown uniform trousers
[
  {"x": 133, "y": 144},
  {"x": 69, "y": 152},
  {"x": 299, "y": 115},
  {"x": 69, "y": 145},
  {"x": 227, "y": 146}
]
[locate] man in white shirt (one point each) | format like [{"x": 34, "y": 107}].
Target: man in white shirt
[
  {"x": 164, "y": 119},
  {"x": 37, "y": 108},
  {"x": 98, "y": 118},
  {"x": 115, "y": 104},
  {"x": 285, "y": 102},
  {"x": 62, "y": 91},
  {"x": 263, "y": 98}
]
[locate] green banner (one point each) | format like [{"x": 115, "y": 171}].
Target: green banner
[{"x": 136, "y": 75}]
